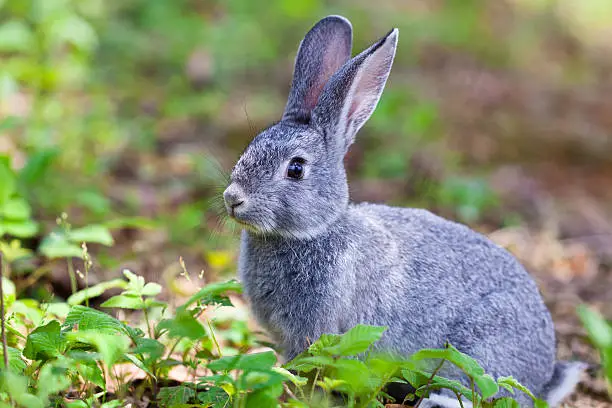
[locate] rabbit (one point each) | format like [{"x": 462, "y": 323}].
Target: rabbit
[{"x": 312, "y": 262}]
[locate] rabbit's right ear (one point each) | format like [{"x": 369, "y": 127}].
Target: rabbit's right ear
[{"x": 324, "y": 49}]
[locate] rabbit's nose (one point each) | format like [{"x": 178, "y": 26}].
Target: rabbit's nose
[{"x": 234, "y": 198}]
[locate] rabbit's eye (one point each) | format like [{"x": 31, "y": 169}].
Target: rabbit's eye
[{"x": 295, "y": 170}]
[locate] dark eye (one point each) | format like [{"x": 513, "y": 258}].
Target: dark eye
[{"x": 295, "y": 170}]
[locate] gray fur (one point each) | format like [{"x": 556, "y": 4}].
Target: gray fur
[{"x": 313, "y": 263}]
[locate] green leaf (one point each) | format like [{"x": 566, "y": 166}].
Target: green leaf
[
  {"x": 7, "y": 182},
  {"x": 9, "y": 294},
  {"x": 152, "y": 347},
  {"x": 16, "y": 36},
  {"x": 600, "y": 332},
  {"x": 91, "y": 372},
  {"x": 247, "y": 362},
  {"x": 138, "y": 363},
  {"x": 85, "y": 318},
  {"x": 56, "y": 246},
  {"x": 13, "y": 250},
  {"x": 36, "y": 167},
  {"x": 215, "y": 397},
  {"x": 8, "y": 122},
  {"x": 353, "y": 372},
  {"x": 112, "y": 347},
  {"x": 296, "y": 380},
  {"x": 20, "y": 229},
  {"x": 451, "y": 354},
  {"x": 95, "y": 291},
  {"x": 264, "y": 398},
  {"x": 16, "y": 363},
  {"x": 53, "y": 377},
  {"x": 181, "y": 394},
  {"x": 487, "y": 385},
  {"x": 75, "y": 30},
  {"x": 16, "y": 209},
  {"x": 506, "y": 402},
  {"x": 183, "y": 325},
  {"x": 357, "y": 340},
  {"x": 97, "y": 234},
  {"x": 212, "y": 293},
  {"x": 151, "y": 289},
  {"x": 125, "y": 302},
  {"x": 512, "y": 383},
  {"x": 45, "y": 342},
  {"x": 323, "y": 343},
  {"x": 305, "y": 364}
]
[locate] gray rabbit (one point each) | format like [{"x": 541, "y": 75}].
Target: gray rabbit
[{"x": 312, "y": 262}]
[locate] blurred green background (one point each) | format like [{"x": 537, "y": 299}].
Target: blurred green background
[{"x": 125, "y": 114}]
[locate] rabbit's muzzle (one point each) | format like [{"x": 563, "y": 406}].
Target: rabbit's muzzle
[{"x": 235, "y": 199}]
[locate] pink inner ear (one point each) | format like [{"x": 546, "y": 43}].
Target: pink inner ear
[
  {"x": 368, "y": 87},
  {"x": 333, "y": 59}
]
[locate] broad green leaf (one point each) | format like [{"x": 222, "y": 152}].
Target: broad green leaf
[
  {"x": 152, "y": 347},
  {"x": 97, "y": 234},
  {"x": 125, "y": 302},
  {"x": 213, "y": 292},
  {"x": 353, "y": 372},
  {"x": 171, "y": 396},
  {"x": 151, "y": 289},
  {"x": 599, "y": 330},
  {"x": 7, "y": 182},
  {"x": 16, "y": 363},
  {"x": 224, "y": 363},
  {"x": 215, "y": 397},
  {"x": 45, "y": 342},
  {"x": 112, "y": 347},
  {"x": 183, "y": 325},
  {"x": 487, "y": 385},
  {"x": 75, "y": 30},
  {"x": 506, "y": 402},
  {"x": 264, "y": 398},
  {"x": 357, "y": 340},
  {"x": 84, "y": 318},
  {"x": 58, "y": 309},
  {"x": 37, "y": 165},
  {"x": 56, "y": 246},
  {"x": 16, "y": 36},
  {"x": 323, "y": 343},
  {"x": 451, "y": 354},
  {"x": 91, "y": 372},
  {"x": 16, "y": 209},
  {"x": 95, "y": 291},
  {"x": 256, "y": 361},
  {"x": 53, "y": 377},
  {"x": 20, "y": 229}
]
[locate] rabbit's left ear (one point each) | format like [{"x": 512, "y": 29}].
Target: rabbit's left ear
[{"x": 351, "y": 95}]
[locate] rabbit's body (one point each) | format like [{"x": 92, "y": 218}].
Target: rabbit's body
[
  {"x": 312, "y": 263},
  {"x": 418, "y": 274}
]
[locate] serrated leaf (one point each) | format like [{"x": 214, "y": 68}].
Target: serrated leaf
[
  {"x": 16, "y": 363},
  {"x": 96, "y": 234},
  {"x": 323, "y": 343},
  {"x": 91, "y": 372},
  {"x": 295, "y": 379},
  {"x": 45, "y": 342},
  {"x": 52, "y": 378},
  {"x": 353, "y": 372},
  {"x": 357, "y": 340},
  {"x": 306, "y": 364},
  {"x": 139, "y": 364},
  {"x": 95, "y": 291},
  {"x": 85, "y": 318},
  {"x": 506, "y": 402},
  {"x": 16, "y": 209},
  {"x": 451, "y": 354},
  {"x": 125, "y": 302},
  {"x": 181, "y": 394}
]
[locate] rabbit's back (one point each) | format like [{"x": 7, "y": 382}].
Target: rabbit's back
[{"x": 446, "y": 282}]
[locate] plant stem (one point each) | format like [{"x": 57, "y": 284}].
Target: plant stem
[
  {"x": 459, "y": 399},
  {"x": 433, "y": 375},
  {"x": 2, "y": 321},
  {"x": 314, "y": 384},
  {"x": 212, "y": 333},
  {"x": 72, "y": 274},
  {"x": 146, "y": 316}
]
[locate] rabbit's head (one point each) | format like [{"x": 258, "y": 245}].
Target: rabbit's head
[{"x": 290, "y": 181}]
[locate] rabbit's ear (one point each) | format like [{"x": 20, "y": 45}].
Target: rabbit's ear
[
  {"x": 324, "y": 49},
  {"x": 351, "y": 95}
]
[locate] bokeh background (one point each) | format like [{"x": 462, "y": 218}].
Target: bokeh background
[{"x": 128, "y": 114}]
